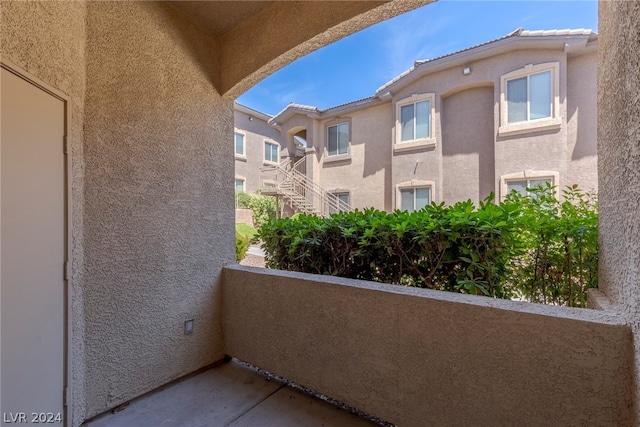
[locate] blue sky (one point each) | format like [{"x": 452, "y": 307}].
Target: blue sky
[{"x": 354, "y": 67}]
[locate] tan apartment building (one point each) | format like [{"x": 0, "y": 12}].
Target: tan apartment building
[
  {"x": 505, "y": 115},
  {"x": 256, "y": 144}
]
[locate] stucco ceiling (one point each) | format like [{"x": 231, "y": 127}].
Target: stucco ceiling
[{"x": 219, "y": 17}]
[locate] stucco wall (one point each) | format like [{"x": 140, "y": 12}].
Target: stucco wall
[
  {"x": 366, "y": 174},
  {"x": 159, "y": 207},
  {"x": 467, "y": 145},
  {"x": 582, "y": 123},
  {"x": 513, "y": 153},
  {"x": 416, "y": 357},
  {"x": 619, "y": 162},
  {"x": 48, "y": 41},
  {"x": 256, "y": 131}
]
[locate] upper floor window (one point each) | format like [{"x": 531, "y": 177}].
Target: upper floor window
[
  {"x": 414, "y": 122},
  {"x": 338, "y": 139},
  {"x": 529, "y": 99},
  {"x": 271, "y": 152},
  {"x": 239, "y": 144}
]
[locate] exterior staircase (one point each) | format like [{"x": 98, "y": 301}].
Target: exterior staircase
[{"x": 289, "y": 181}]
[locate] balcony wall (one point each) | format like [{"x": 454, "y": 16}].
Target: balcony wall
[{"x": 417, "y": 357}]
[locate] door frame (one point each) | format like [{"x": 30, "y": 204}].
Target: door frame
[{"x": 67, "y": 203}]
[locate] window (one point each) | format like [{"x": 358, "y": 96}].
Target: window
[
  {"x": 271, "y": 152},
  {"x": 239, "y": 144},
  {"x": 240, "y": 185},
  {"x": 521, "y": 186},
  {"x": 343, "y": 197},
  {"x": 338, "y": 139},
  {"x": 520, "y": 181},
  {"x": 414, "y": 122},
  {"x": 529, "y": 99},
  {"x": 414, "y": 199}
]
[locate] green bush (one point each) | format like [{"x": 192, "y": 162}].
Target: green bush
[
  {"x": 246, "y": 230},
  {"x": 263, "y": 208},
  {"x": 515, "y": 249},
  {"x": 559, "y": 240},
  {"x": 457, "y": 248},
  {"x": 242, "y": 200},
  {"x": 242, "y": 246}
]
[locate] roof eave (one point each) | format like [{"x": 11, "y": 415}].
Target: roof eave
[{"x": 461, "y": 58}]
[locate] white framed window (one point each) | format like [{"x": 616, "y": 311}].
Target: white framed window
[
  {"x": 529, "y": 99},
  {"x": 415, "y": 122},
  {"x": 271, "y": 151},
  {"x": 338, "y": 139},
  {"x": 239, "y": 144},
  {"x": 521, "y": 182},
  {"x": 414, "y": 195},
  {"x": 240, "y": 185}
]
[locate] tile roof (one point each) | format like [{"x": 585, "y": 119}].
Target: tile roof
[{"x": 519, "y": 32}]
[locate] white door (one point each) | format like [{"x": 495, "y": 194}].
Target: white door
[{"x": 32, "y": 251}]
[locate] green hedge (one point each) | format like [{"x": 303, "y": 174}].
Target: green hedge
[
  {"x": 494, "y": 249},
  {"x": 242, "y": 246}
]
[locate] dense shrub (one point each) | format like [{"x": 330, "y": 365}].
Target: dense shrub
[
  {"x": 242, "y": 246},
  {"x": 262, "y": 207},
  {"x": 242, "y": 200},
  {"x": 457, "y": 248},
  {"x": 559, "y": 260},
  {"x": 529, "y": 248}
]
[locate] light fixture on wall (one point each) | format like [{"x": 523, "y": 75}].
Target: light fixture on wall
[
  {"x": 466, "y": 71},
  {"x": 250, "y": 118}
]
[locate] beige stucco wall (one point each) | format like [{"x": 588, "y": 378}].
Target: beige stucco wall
[
  {"x": 416, "y": 357},
  {"x": 158, "y": 200},
  {"x": 256, "y": 131},
  {"x": 619, "y": 162},
  {"x": 582, "y": 123},
  {"x": 366, "y": 172},
  {"x": 31, "y": 37},
  {"x": 467, "y": 145},
  {"x": 510, "y": 153}
]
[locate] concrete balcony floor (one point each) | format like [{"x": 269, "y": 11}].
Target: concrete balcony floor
[{"x": 228, "y": 395}]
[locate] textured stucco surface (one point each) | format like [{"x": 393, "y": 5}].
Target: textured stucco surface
[
  {"x": 366, "y": 174},
  {"x": 287, "y": 30},
  {"x": 619, "y": 162},
  {"x": 467, "y": 151},
  {"x": 159, "y": 200},
  {"x": 47, "y": 40},
  {"x": 417, "y": 357}
]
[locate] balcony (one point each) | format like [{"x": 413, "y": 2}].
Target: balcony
[{"x": 412, "y": 357}]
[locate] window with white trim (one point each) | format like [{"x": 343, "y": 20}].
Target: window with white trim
[
  {"x": 240, "y": 185},
  {"x": 522, "y": 182},
  {"x": 414, "y": 198},
  {"x": 271, "y": 152},
  {"x": 338, "y": 139},
  {"x": 529, "y": 98},
  {"x": 415, "y": 121},
  {"x": 239, "y": 144}
]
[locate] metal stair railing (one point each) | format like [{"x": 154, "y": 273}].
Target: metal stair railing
[{"x": 303, "y": 193}]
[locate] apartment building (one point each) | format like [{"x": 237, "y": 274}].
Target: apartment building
[{"x": 505, "y": 115}]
